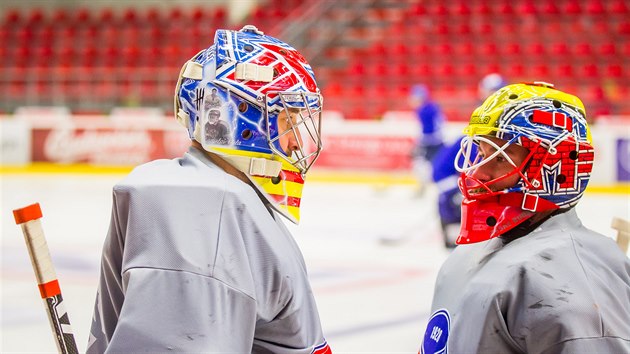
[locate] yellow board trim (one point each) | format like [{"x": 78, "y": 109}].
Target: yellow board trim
[{"x": 314, "y": 176}]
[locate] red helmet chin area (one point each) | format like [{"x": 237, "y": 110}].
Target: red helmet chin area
[{"x": 484, "y": 218}]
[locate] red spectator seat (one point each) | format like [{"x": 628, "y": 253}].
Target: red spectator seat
[
  {"x": 175, "y": 14},
  {"x": 220, "y": 14},
  {"x": 505, "y": 8},
  {"x": 624, "y": 28},
  {"x": 442, "y": 29},
  {"x": 564, "y": 70},
  {"x": 35, "y": 17},
  {"x": 583, "y": 49},
  {"x": 379, "y": 69},
  {"x": 444, "y": 49},
  {"x": 463, "y": 29},
  {"x": 607, "y": 49},
  {"x": 60, "y": 17},
  {"x": 515, "y": 71},
  {"x": 12, "y": 17},
  {"x": 417, "y": 9},
  {"x": 421, "y": 49},
  {"x": 619, "y": 7},
  {"x": 400, "y": 50},
  {"x": 560, "y": 50},
  {"x": 82, "y": 16},
  {"x": 469, "y": 70},
  {"x": 482, "y": 8},
  {"x": 422, "y": 71},
  {"x": 527, "y": 8},
  {"x": 466, "y": 49},
  {"x": 440, "y": 9},
  {"x": 595, "y": 8},
  {"x": 152, "y": 15},
  {"x": 541, "y": 72},
  {"x": 550, "y": 8},
  {"x": 536, "y": 48},
  {"x": 572, "y": 7},
  {"x": 106, "y": 16},
  {"x": 130, "y": 16},
  {"x": 461, "y": 8},
  {"x": 513, "y": 49},
  {"x": 489, "y": 49},
  {"x": 590, "y": 70},
  {"x": 614, "y": 71}
]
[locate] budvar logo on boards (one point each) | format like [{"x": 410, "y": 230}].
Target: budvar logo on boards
[
  {"x": 436, "y": 334},
  {"x": 623, "y": 159},
  {"x": 98, "y": 146}
]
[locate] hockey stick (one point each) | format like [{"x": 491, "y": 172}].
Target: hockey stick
[
  {"x": 29, "y": 219},
  {"x": 623, "y": 232}
]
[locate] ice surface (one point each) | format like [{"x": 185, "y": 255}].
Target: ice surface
[{"x": 372, "y": 297}]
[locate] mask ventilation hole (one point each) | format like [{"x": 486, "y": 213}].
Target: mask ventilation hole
[
  {"x": 491, "y": 221},
  {"x": 275, "y": 72},
  {"x": 276, "y": 180},
  {"x": 247, "y": 134},
  {"x": 283, "y": 52},
  {"x": 561, "y": 179},
  {"x": 557, "y": 104},
  {"x": 573, "y": 155},
  {"x": 513, "y": 96},
  {"x": 248, "y": 47},
  {"x": 242, "y": 107}
]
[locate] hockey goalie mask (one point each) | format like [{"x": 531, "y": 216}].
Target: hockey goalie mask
[
  {"x": 541, "y": 139},
  {"x": 253, "y": 100}
]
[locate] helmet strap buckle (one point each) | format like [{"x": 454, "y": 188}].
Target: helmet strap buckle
[
  {"x": 530, "y": 202},
  {"x": 264, "y": 167}
]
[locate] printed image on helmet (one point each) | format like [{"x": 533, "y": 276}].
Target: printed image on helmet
[
  {"x": 550, "y": 127},
  {"x": 253, "y": 100}
]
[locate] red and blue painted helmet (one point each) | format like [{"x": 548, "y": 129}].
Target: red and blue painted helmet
[
  {"x": 552, "y": 126},
  {"x": 230, "y": 97}
]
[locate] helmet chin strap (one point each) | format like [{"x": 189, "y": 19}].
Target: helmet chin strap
[
  {"x": 253, "y": 166},
  {"x": 250, "y": 166}
]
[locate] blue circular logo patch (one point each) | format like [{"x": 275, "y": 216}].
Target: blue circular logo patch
[{"x": 436, "y": 334}]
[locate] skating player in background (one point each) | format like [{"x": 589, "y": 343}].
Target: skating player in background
[
  {"x": 445, "y": 175},
  {"x": 528, "y": 277},
  {"x": 197, "y": 258},
  {"x": 430, "y": 139}
]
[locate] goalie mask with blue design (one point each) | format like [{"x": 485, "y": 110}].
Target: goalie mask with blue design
[
  {"x": 253, "y": 100},
  {"x": 527, "y": 150}
]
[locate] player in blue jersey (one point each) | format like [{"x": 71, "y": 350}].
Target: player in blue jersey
[{"x": 430, "y": 140}]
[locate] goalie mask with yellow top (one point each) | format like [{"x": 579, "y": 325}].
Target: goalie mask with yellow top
[
  {"x": 527, "y": 150},
  {"x": 253, "y": 100}
]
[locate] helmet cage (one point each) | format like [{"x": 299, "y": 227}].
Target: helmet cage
[
  {"x": 469, "y": 159},
  {"x": 305, "y": 128}
]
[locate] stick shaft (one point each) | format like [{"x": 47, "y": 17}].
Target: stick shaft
[
  {"x": 623, "y": 232},
  {"x": 47, "y": 280}
]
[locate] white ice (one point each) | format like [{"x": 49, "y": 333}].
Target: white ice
[{"x": 373, "y": 297}]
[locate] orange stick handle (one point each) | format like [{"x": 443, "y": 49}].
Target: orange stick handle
[{"x": 29, "y": 220}]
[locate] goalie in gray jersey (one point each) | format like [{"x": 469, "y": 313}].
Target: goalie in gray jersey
[
  {"x": 527, "y": 276},
  {"x": 197, "y": 258}
]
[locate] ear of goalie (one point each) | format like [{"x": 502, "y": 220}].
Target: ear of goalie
[
  {"x": 549, "y": 123},
  {"x": 230, "y": 96}
]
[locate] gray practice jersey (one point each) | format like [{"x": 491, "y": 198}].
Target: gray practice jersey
[
  {"x": 560, "y": 289},
  {"x": 195, "y": 262}
]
